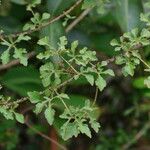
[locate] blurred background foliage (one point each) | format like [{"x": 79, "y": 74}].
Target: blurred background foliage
[{"x": 124, "y": 105}]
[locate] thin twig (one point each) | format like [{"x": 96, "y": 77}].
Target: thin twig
[
  {"x": 44, "y": 136},
  {"x": 70, "y": 65},
  {"x": 12, "y": 103},
  {"x": 145, "y": 63},
  {"x": 137, "y": 136},
  {"x": 65, "y": 82},
  {"x": 96, "y": 95},
  {"x": 63, "y": 102},
  {"x": 78, "y": 19},
  {"x": 13, "y": 35}
]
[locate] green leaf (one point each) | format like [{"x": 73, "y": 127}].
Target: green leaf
[
  {"x": 69, "y": 130},
  {"x": 45, "y": 16},
  {"x": 20, "y": 54},
  {"x": 74, "y": 45},
  {"x": 50, "y": 74},
  {"x": 110, "y": 72},
  {"x": 39, "y": 107},
  {"x": 5, "y": 56},
  {"x": 135, "y": 32},
  {"x": 19, "y": 117},
  {"x": 119, "y": 60},
  {"x": 101, "y": 83},
  {"x": 63, "y": 42},
  {"x": 85, "y": 129},
  {"x": 104, "y": 63},
  {"x": 44, "y": 41},
  {"x": 90, "y": 78},
  {"x": 6, "y": 113},
  {"x": 63, "y": 95},
  {"x": 28, "y": 26},
  {"x": 95, "y": 125},
  {"x": 34, "y": 97},
  {"x": 114, "y": 42},
  {"x": 23, "y": 37},
  {"x": 49, "y": 115},
  {"x": 128, "y": 69},
  {"x": 147, "y": 82},
  {"x": 145, "y": 33}
]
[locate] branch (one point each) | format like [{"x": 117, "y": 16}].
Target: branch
[
  {"x": 137, "y": 136},
  {"x": 12, "y": 103},
  {"x": 66, "y": 82},
  {"x": 13, "y": 35},
  {"x": 78, "y": 19},
  {"x": 43, "y": 135}
]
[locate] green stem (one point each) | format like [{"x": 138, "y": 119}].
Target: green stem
[
  {"x": 49, "y": 100},
  {"x": 96, "y": 94},
  {"x": 65, "y": 82},
  {"x": 146, "y": 64},
  {"x": 63, "y": 102},
  {"x": 70, "y": 65}
]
